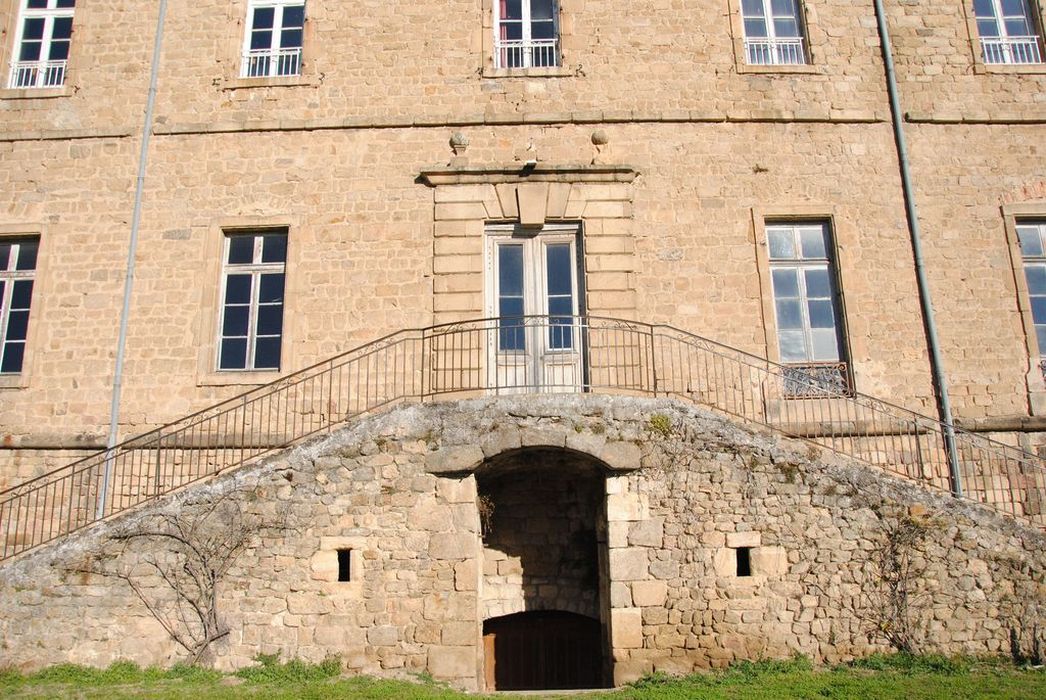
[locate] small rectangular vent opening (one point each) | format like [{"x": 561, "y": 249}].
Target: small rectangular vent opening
[
  {"x": 744, "y": 561},
  {"x": 344, "y": 564}
]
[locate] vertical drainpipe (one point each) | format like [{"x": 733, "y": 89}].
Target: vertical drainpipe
[
  {"x": 132, "y": 250},
  {"x": 939, "y": 381}
]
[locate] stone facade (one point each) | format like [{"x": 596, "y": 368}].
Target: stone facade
[{"x": 672, "y": 509}]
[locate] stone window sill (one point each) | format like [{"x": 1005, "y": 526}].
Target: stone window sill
[
  {"x": 14, "y": 381},
  {"x": 555, "y": 72},
  {"x": 803, "y": 69},
  {"x": 35, "y": 93},
  {"x": 233, "y": 378},
  {"x": 1011, "y": 68},
  {"x": 286, "y": 81}
]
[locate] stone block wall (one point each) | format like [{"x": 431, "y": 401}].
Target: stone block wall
[{"x": 678, "y": 507}]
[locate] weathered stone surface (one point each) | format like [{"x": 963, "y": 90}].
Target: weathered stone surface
[
  {"x": 452, "y": 662},
  {"x": 451, "y": 460},
  {"x": 626, "y": 626}
]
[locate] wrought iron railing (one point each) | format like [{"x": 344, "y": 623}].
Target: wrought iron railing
[
  {"x": 37, "y": 74},
  {"x": 271, "y": 63},
  {"x": 515, "y": 356},
  {"x": 531, "y": 53},
  {"x": 775, "y": 52},
  {"x": 1011, "y": 49}
]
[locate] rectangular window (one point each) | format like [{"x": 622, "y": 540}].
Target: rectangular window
[
  {"x": 251, "y": 324},
  {"x": 17, "y": 271},
  {"x": 1008, "y": 31},
  {"x": 1032, "y": 235},
  {"x": 526, "y": 33},
  {"x": 272, "y": 43},
  {"x": 773, "y": 32},
  {"x": 806, "y": 310},
  {"x": 42, "y": 39}
]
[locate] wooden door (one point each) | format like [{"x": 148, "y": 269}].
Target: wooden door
[{"x": 542, "y": 651}]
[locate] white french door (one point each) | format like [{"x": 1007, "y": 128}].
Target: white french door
[{"x": 532, "y": 288}]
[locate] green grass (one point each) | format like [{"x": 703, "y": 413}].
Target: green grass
[{"x": 881, "y": 677}]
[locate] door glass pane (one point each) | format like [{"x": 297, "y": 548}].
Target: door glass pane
[
  {"x": 510, "y": 270},
  {"x": 560, "y": 277}
]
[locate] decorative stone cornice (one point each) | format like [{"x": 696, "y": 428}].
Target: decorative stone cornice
[{"x": 525, "y": 172}]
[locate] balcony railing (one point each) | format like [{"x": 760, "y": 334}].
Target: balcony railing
[
  {"x": 271, "y": 63},
  {"x": 1013, "y": 49},
  {"x": 816, "y": 379},
  {"x": 775, "y": 52},
  {"x": 535, "y": 53},
  {"x": 37, "y": 74},
  {"x": 560, "y": 354}
]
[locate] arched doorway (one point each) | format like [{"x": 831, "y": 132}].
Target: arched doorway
[{"x": 544, "y": 602}]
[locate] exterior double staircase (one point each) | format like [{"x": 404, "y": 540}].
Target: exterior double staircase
[{"x": 538, "y": 354}]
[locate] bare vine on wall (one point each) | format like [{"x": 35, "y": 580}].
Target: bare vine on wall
[
  {"x": 1022, "y": 607},
  {"x": 176, "y": 561}
]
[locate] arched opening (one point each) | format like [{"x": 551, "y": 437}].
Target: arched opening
[{"x": 544, "y": 602}]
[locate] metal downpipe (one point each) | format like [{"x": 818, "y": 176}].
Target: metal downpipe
[
  {"x": 132, "y": 250},
  {"x": 929, "y": 321}
]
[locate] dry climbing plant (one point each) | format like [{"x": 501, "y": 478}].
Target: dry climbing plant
[{"x": 176, "y": 561}]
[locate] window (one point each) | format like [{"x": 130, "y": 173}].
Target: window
[
  {"x": 41, "y": 49},
  {"x": 251, "y": 324},
  {"x": 345, "y": 565},
  {"x": 273, "y": 41},
  {"x": 1007, "y": 30},
  {"x": 17, "y": 270},
  {"x": 806, "y": 310},
  {"x": 773, "y": 32},
  {"x": 526, "y": 34},
  {"x": 1032, "y": 236}
]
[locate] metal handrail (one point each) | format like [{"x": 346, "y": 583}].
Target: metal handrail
[
  {"x": 532, "y": 354},
  {"x": 1011, "y": 49},
  {"x": 37, "y": 74}
]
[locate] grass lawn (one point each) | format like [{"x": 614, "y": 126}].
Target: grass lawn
[{"x": 880, "y": 677}]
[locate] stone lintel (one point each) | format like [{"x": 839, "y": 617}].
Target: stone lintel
[{"x": 519, "y": 172}]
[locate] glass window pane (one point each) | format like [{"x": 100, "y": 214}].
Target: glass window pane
[
  {"x": 752, "y": 8},
  {"x": 27, "y": 251},
  {"x": 792, "y": 346},
  {"x": 33, "y": 29},
  {"x": 786, "y": 283},
  {"x": 510, "y": 306},
  {"x": 817, "y": 283},
  {"x": 270, "y": 320},
  {"x": 543, "y": 30},
  {"x": 59, "y": 51},
  {"x": 783, "y": 8},
  {"x": 755, "y": 28},
  {"x": 22, "y": 294},
  {"x": 560, "y": 277},
  {"x": 1018, "y": 26},
  {"x": 291, "y": 39},
  {"x": 988, "y": 28},
  {"x": 510, "y": 270},
  {"x": 789, "y": 313},
  {"x": 511, "y": 9},
  {"x": 261, "y": 40},
  {"x": 271, "y": 288},
  {"x": 786, "y": 28},
  {"x": 1040, "y": 334},
  {"x": 238, "y": 289},
  {"x": 813, "y": 243},
  {"x": 983, "y": 8},
  {"x": 36, "y": 4},
  {"x": 541, "y": 9},
  {"x": 274, "y": 248},
  {"x": 13, "y": 355},
  {"x": 782, "y": 243},
  {"x": 512, "y": 32},
  {"x": 1036, "y": 275},
  {"x": 825, "y": 346},
  {"x": 267, "y": 353},
  {"x": 294, "y": 16},
  {"x": 30, "y": 51},
  {"x": 1031, "y": 243},
  {"x": 17, "y": 325},
  {"x": 561, "y": 306},
  {"x": 263, "y": 18},
  {"x": 822, "y": 315},
  {"x": 236, "y": 321},
  {"x": 233, "y": 354},
  {"x": 1038, "y": 309},
  {"x": 1013, "y": 7},
  {"x": 62, "y": 28},
  {"x": 241, "y": 249},
  {"x": 65, "y": 3},
  {"x": 5, "y": 255}
]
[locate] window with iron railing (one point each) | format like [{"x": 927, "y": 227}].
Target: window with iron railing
[
  {"x": 526, "y": 34},
  {"x": 272, "y": 44},
  {"x": 1008, "y": 31},
  {"x": 1032, "y": 236},
  {"x": 773, "y": 32},
  {"x": 807, "y": 310},
  {"x": 42, "y": 40},
  {"x": 17, "y": 273}
]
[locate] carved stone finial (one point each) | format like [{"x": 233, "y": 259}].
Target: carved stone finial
[
  {"x": 600, "y": 141},
  {"x": 459, "y": 143}
]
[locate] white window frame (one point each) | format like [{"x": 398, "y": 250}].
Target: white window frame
[
  {"x": 526, "y": 52},
  {"x": 1026, "y": 228},
  {"x": 256, "y": 269},
  {"x": 810, "y": 376},
  {"x": 8, "y": 276},
  {"x": 278, "y": 62},
  {"x": 773, "y": 50},
  {"x": 1007, "y": 49},
  {"x": 41, "y": 73}
]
